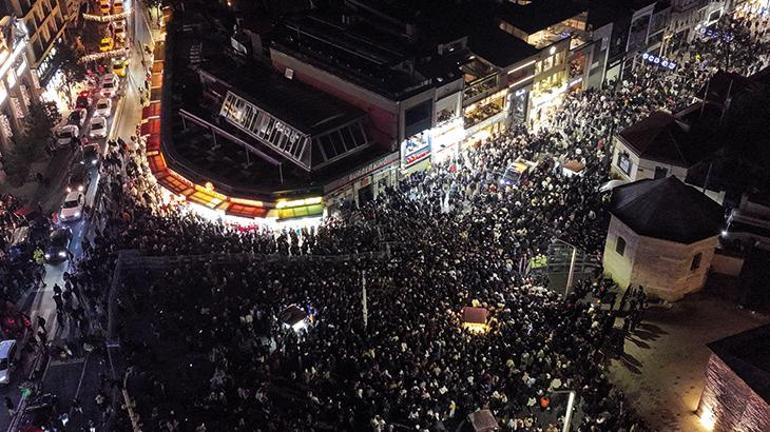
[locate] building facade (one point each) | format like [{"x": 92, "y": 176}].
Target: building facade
[
  {"x": 17, "y": 89},
  {"x": 45, "y": 22},
  {"x": 662, "y": 236}
]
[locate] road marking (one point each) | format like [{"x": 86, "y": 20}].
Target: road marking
[{"x": 67, "y": 362}]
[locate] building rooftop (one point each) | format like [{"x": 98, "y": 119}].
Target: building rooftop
[
  {"x": 667, "y": 209},
  {"x": 498, "y": 47},
  {"x": 228, "y": 120},
  {"x": 539, "y": 14},
  {"x": 304, "y": 108},
  {"x": 673, "y": 139},
  {"x": 748, "y": 355},
  {"x": 364, "y": 55}
]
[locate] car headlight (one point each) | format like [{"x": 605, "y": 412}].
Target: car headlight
[
  {"x": 81, "y": 188},
  {"x": 4, "y": 379},
  {"x": 47, "y": 256},
  {"x": 77, "y": 214},
  {"x": 93, "y": 162},
  {"x": 62, "y": 254}
]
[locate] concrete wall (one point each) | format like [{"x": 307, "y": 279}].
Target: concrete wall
[
  {"x": 729, "y": 404},
  {"x": 727, "y": 264},
  {"x": 662, "y": 267},
  {"x": 641, "y": 168}
]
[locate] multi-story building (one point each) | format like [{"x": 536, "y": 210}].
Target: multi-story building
[
  {"x": 688, "y": 18},
  {"x": 407, "y": 87},
  {"x": 45, "y": 22},
  {"x": 558, "y": 30},
  {"x": 16, "y": 79}
]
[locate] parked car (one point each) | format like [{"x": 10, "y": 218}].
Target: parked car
[
  {"x": 7, "y": 360},
  {"x": 109, "y": 86},
  {"x": 65, "y": 135},
  {"x": 120, "y": 67},
  {"x": 58, "y": 245},
  {"x": 88, "y": 155},
  {"x": 117, "y": 6},
  {"x": 103, "y": 107},
  {"x": 104, "y": 7},
  {"x": 98, "y": 127},
  {"x": 119, "y": 30},
  {"x": 79, "y": 178},
  {"x": 106, "y": 44},
  {"x": 77, "y": 117},
  {"x": 83, "y": 100},
  {"x": 72, "y": 207}
]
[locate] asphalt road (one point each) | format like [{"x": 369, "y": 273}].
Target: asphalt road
[{"x": 126, "y": 115}]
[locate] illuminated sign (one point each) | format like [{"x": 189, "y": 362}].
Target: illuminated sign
[
  {"x": 659, "y": 61},
  {"x": 415, "y": 149},
  {"x": 710, "y": 34}
]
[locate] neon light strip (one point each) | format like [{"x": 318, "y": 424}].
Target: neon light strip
[
  {"x": 529, "y": 63},
  {"x": 521, "y": 81}
]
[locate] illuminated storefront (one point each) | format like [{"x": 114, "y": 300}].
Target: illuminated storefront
[{"x": 415, "y": 150}]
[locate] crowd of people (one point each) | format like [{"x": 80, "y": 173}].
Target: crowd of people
[
  {"x": 209, "y": 350},
  {"x": 21, "y": 231}
]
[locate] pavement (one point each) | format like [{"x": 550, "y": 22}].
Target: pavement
[
  {"x": 662, "y": 371},
  {"x": 82, "y": 374}
]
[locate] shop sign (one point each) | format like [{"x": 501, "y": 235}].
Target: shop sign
[
  {"x": 365, "y": 170},
  {"x": 5, "y": 125},
  {"x": 415, "y": 149},
  {"x": 659, "y": 61}
]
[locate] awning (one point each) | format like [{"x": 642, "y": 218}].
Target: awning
[
  {"x": 153, "y": 143},
  {"x": 151, "y": 111},
  {"x": 157, "y": 164},
  {"x": 246, "y": 211},
  {"x": 156, "y": 81},
  {"x": 151, "y": 127},
  {"x": 155, "y": 94}
]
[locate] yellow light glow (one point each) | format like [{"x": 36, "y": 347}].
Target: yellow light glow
[
  {"x": 297, "y": 203},
  {"x": 477, "y": 328},
  {"x": 247, "y": 202},
  {"x": 707, "y": 419}
]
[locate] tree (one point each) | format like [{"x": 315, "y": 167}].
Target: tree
[
  {"x": 73, "y": 71},
  {"x": 30, "y": 145}
]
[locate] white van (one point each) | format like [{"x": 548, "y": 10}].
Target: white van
[
  {"x": 7, "y": 360},
  {"x": 746, "y": 230}
]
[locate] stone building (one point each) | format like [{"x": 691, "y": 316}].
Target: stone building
[
  {"x": 662, "y": 236},
  {"x": 736, "y": 393}
]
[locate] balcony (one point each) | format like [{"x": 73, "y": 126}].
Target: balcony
[{"x": 476, "y": 114}]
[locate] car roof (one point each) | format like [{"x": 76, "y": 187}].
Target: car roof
[
  {"x": 72, "y": 196},
  {"x": 69, "y": 127},
  {"x": 5, "y": 346},
  {"x": 97, "y": 119},
  {"x": 59, "y": 232},
  {"x": 105, "y": 100}
]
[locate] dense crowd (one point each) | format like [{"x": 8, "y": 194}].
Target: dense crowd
[
  {"x": 21, "y": 229},
  {"x": 207, "y": 345}
]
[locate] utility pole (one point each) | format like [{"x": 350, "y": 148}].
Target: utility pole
[{"x": 364, "y": 299}]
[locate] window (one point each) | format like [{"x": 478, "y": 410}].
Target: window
[
  {"x": 660, "y": 172},
  {"x": 620, "y": 246},
  {"x": 695, "y": 265},
  {"x": 624, "y": 162}
]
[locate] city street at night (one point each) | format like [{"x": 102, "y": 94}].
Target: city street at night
[{"x": 384, "y": 215}]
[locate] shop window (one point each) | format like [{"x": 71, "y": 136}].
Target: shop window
[
  {"x": 620, "y": 246},
  {"x": 695, "y": 264},
  {"x": 660, "y": 172}
]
